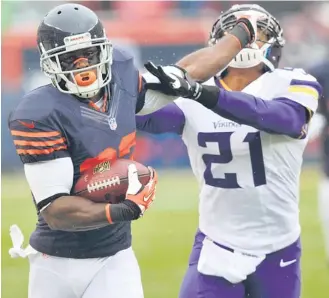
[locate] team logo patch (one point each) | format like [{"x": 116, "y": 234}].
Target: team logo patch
[
  {"x": 74, "y": 42},
  {"x": 101, "y": 167},
  {"x": 112, "y": 123}
]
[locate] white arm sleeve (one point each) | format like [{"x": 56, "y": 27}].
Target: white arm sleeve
[
  {"x": 48, "y": 178},
  {"x": 155, "y": 100}
]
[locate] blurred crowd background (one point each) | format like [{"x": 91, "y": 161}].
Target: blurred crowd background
[{"x": 161, "y": 31}]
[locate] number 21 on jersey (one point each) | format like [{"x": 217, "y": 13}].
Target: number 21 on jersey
[{"x": 225, "y": 156}]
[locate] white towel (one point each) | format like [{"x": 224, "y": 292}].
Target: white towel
[
  {"x": 233, "y": 266},
  {"x": 17, "y": 239}
]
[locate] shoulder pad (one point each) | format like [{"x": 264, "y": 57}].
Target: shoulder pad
[
  {"x": 290, "y": 73},
  {"x": 120, "y": 55},
  {"x": 294, "y": 78},
  {"x": 37, "y": 104}
]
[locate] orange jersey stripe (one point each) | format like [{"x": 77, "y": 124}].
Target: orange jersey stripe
[
  {"x": 35, "y": 134},
  {"x": 107, "y": 154},
  {"x": 40, "y": 151},
  {"x": 39, "y": 144},
  {"x": 126, "y": 143}
]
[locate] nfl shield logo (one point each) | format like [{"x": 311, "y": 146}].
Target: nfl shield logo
[{"x": 113, "y": 123}]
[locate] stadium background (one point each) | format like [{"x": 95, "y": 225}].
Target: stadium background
[{"x": 162, "y": 32}]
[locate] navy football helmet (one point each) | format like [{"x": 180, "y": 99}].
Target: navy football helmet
[
  {"x": 71, "y": 35},
  {"x": 269, "y": 53}
]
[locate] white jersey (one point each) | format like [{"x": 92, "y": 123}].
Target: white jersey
[{"x": 254, "y": 213}]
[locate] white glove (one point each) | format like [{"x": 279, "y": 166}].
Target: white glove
[
  {"x": 170, "y": 69},
  {"x": 143, "y": 196}
]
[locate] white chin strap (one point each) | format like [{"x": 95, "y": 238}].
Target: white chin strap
[
  {"x": 86, "y": 92},
  {"x": 247, "y": 58},
  {"x": 250, "y": 57}
]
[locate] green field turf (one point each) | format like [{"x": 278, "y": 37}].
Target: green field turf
[{"x": 163, "y": 238}]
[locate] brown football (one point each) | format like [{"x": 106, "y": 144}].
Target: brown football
[{"x": 108, "y": 182}]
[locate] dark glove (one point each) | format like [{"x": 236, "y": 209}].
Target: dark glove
[
  {"x": 174, "y": 83},
  {"x": 249, "y": 23}
]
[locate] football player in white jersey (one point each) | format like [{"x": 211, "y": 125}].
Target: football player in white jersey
[{"x": 245, "y": 131}]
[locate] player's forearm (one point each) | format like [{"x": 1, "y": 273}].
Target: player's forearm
[
  {"x": 207, "y": 62},
  {"x": 168, "y": 119},
  {"x": 154, "y": 101},
  {"x": 71, "y": 213},
  {"x": 74, "y": 213},
  {"x": 279, "y": 116}
]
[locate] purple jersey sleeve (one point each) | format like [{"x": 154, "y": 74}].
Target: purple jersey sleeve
[
  {"x": 168, "y": 119},
  {"x": 277, "y": 116}
]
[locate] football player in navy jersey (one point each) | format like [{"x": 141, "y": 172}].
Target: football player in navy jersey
[{"x": 87, "y": 115}]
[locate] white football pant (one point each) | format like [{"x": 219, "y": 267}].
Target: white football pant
[{"x": 117, "y": 276}]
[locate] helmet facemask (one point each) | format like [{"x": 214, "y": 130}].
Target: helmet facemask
[
  {"x": 269, "y": 53},
  {"x": 83, "y": 82}
]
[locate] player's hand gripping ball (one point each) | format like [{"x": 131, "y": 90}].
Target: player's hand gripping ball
[
  {"x": 142, "y": 195},
  {"x": 108, "y": 182}
]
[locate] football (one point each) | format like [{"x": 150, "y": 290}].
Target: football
[{"x": 107, "y": 182}]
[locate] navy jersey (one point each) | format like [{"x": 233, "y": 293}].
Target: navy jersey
[
  {"x": 48, "y": 124},
  {"x": 321, "y": 72}
]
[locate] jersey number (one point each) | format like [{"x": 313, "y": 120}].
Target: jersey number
[
  {"x": 223, "y": 140},
  {"x": 126, "y": 147}
]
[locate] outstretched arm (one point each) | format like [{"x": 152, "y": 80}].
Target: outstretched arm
[
  {"x": 168, "y": 119},
  {"x": 288, "y": 114},
  {"x": 200, "y": 65},
  {"x": 277, "y": 116},
  {"x": 207, "y": 62}
]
